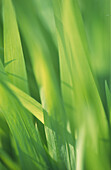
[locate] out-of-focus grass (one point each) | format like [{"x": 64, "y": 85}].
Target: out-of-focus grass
[{"x": 54, "y": 104}]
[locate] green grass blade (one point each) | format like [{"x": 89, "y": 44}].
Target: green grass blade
[
  {"x": 108, "y": 95},
  {"x": 74, "y": 63},
  {"x": 79, "y": 90},
  {"x": 1, "y": 33},
  {"x": 54, "y": 108},
  {"x": 13, "y": 54},
  {"x": 98, "y": 30},
  {"x": 41, "y": 50},
  {"x": 28, "y": 102},
  {"x": 30, "y": 138},
  {"x": 7, "y": 161},
  {"x": 23, "y": 130}
]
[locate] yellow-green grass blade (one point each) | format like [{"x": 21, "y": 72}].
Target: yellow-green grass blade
[
  {"x": 33, "y": 87},
  {"x": 96, "y": 21},
  {"x": 10, "y": 115},
  {"x": 23, "y": 130},
  {"x": 13, "y": 55},
  {"x": 43, "y": 8},
  {"x": 75, "y": 68},
  {"x": 10, "y": 164},
  {"x": 30, "y": 137},
  {"x": 42, "y": 34},
  {"x": 108, "y": 95},
  {"x": 5, "y": 142},
  {"x": 97, "y": 27},
  {"x": 31, "y": 105},
  {"x": 76, "y": 127},
  {"x": 36, "y": 109},
  {"x": 1, "y": 33},
  {"x": 28, "y": 102},
  {"x": 40, "y": 51},
  {"x": 79, "y": 89}
]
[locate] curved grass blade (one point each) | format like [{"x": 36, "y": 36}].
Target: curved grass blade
[
  {"x": 42, "y": 34},
  {"x": 77, "y": 79},
  {"x": 1, "y": 34},
  {"x": 41, "y": 50},
  {"x": 7, "y": 161},
  {"x": 24, "y": 122},
  {"x": 31, "y": 152},
  {"x": 13, "y": 54},
  {"x": 79, "y": 90},
  {"x": 28, "y": 102},
  {"x": 1, "y": 29},
  {"x": 108, "y": 95},
  {"x": 19, "y": 120}
]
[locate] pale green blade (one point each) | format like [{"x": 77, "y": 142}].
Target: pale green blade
[
  {"x": 25, "y": 134},
  {"x": 81, "y": 98},
  {"x": 13, "y": 55},
  {"x": 108, "y": 95},
  {"x": 1, "y": 33},
  {"x": 42, "y": 35},
  {"x": 43, "y": 57},
  {"x": 76, "y": 75},
  {"x": 28, "y": 102},
  {"x": 31, "y": 152},
  {"x": 96, "y": 19}
]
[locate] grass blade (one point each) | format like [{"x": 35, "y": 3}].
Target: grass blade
[
  {"x": 79, "y": 90},
  {"x": 13, "y": 55}
]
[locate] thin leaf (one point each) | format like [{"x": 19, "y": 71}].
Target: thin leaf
[
  {"x": 80, "y": 94},
  {"x": 23, "y": 130},
  {"x": 77, "y": 79},
  {"x": 12, "y": 48},
  {"x": 41, "y": 50},
  {"x": 108, "y": 95},
  {"x": 7, "y": 161}
]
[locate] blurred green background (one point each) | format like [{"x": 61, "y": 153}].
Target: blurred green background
[{"x": 55, "y": 83}]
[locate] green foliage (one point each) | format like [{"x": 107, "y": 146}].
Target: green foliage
[{"x": 55, "y": 106}]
